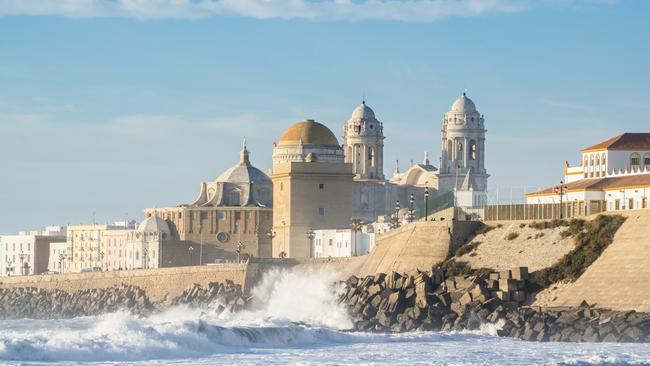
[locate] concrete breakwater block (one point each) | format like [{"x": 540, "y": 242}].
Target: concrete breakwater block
[{"x": 397, "y": 302}]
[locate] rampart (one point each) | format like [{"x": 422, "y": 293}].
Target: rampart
[{"x": 158, "y": 284}]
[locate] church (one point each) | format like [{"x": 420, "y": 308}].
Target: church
[{"x": 319, "y": 183}]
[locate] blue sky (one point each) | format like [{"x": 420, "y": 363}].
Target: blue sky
[{"x": 112, "y": 106}]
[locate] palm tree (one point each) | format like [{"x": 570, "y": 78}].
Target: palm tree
[{"x": 355, "y": 226}]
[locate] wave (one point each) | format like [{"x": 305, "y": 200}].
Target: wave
[{"x": 294, "y": 319}]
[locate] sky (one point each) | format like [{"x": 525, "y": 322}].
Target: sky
[{"x": 108, "y": 107}]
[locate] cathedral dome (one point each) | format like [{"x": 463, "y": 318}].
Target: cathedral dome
[
  {"x": 153, "y": 225},
  {"x": 363, "y": 112},
  {"x": 308, "y": 132},
  {"x": 244, "y": 172},
  {"x": 463, "y": 105}
]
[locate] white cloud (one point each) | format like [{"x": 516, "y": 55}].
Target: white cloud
[{"x": 352, "y": 10}]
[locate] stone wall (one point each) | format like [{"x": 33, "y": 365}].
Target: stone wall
[
  {"x": 417, "y": 245},
  {"x": 620, "y": 278},
  {"x": 157, "y": 283}
]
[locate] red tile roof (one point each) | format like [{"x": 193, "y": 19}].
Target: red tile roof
[
  {"x": 626, "y": 141},
  {"x": 600, "y": 184}
]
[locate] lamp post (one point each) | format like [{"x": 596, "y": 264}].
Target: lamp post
[
  {"x": 61, "y": 261},
  {"x": 411, "y": 210},
  {"x": 22, "y": 256},
  {"x": 426, "y": 203},
  {"x": 240, "y": 246},
  {"x": 397, "y": 207},
  {"x": 101, "y": 260},
  {"x": 310, "y": 235},
  {"x": 561, "y": 189},
  {"x": 190, "y": 250},
  {"x": 145, "y": 258},
  {"x": 9, "y": 268}
]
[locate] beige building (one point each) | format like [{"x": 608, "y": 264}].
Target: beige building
[
  {"x": 312, "y": 187},
  {"x": 86, "y": 247},
  {"x": 28, "y": 252},
  {"x": 232, "y": 212}
]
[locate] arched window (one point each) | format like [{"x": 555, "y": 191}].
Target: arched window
[
  {"x": 646, "y": 160},
  {"x": 635, "y": 160},
  {"x": 598, "y": 166},
  {"x": 472, "y": 150}
]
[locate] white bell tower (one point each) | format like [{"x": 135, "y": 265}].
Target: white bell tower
[
  {"x": 363, "y": 143},
  {"x": 463, "y": 153}
]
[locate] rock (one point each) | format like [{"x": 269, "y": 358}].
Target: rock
[{"x": 519, "y": 273}]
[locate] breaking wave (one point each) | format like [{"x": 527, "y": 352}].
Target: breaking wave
[{"x": 295, "y": 319}]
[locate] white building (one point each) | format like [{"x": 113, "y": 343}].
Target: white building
[
  {"x": 28, "y": 252},
  {"x": 58, "y": 257},
  {"x": 341, "y": 243},
  {"x": 614, "y": 173}
]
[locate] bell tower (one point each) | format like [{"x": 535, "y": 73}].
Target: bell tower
[
  {"x": 363, "y": 143},
  {"x": 463, "y": 150}
]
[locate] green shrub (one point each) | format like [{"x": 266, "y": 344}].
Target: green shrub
[
  {"x": 539, "y": 235},
  {"x": 541, "y": 225},
  {"x": 464, "y": 249},
  {"x": 594, "y": 237},
  {"x": 484, "y": 230},
  {"x": 512, "y": 236},
  {"x": 522, "y": 225},
  {"x": 453, "y": 268},
  {"x": 499, "y": 226}
]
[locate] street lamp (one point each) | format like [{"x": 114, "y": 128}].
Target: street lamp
[
  {"x": 271, "y": 234},
  {"x": 397, "y": 207},
  {"x": 9, "y": 269},
  {"x": 145, "y": 258},
  {"x": 240, "y": 247},
  {"x": 101, "y": 260},
  {"x": 190, "y": 250},
  {"x": 310, "y": 235},
  {"x": 22, "y": 256},
  {"x": 426, "y": 203},
  {"x": 411, "y": 211},
  {"x": 62, "y": 257},
  {"x": 561, "y": 189}
]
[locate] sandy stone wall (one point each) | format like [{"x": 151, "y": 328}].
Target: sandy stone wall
[
  {"x": 620, "y": 278},
  {"x": 157, "y": 283}
]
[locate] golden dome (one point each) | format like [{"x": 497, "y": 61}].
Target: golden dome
[{"x": 309, "y": 132}]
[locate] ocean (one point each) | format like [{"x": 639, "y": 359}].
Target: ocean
[{"x": 295, "y": 320}]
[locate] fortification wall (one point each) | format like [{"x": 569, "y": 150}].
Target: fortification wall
[
  {"x": 157, "y": 283},
  {"x": 620, "y": 278},
  {"x": 419, "y": 245}
]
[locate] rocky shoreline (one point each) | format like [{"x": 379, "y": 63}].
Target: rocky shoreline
[
  {"x": 428, "y": 302},
  {"x": 37, "y": 303}
]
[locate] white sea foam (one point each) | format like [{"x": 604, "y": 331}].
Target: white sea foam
[{"x": 295, "y": 320}]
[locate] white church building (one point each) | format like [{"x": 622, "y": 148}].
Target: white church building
[{"x": 612, "y": 175}]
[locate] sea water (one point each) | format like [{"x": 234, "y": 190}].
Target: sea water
[{"x": 295, "y": 320}]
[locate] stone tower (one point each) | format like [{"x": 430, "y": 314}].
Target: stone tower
[
  {"x": 462, "y": 165},
  {"x": 363, "y": 141},
  {"x": 312, "y": 187}
]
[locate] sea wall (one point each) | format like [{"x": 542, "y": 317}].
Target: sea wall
[{"x": 158, "y": 284}]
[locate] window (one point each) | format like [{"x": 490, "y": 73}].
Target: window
[
  {"x": 330, "y": 241},
  {"x": 234, "y": 198},
  {"x": 630, "y": 204},
  {"x": 321, "y": 211},
  {"x": 204, "y": 215},
  {"x": 644, "y": 203},
  {"x": 321, "y": 186},
  {"x": 472, "y": 150},
  {"x": 635, "y": 159},
  {"x": 646, "y": 160},
  {"x": 617, "y": 204},
  {"x": 221, "y": 215}
]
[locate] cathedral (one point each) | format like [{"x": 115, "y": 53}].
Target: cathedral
[
  {"x": 461, "y": 176},
  {"x": 319, "y": 183}
]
